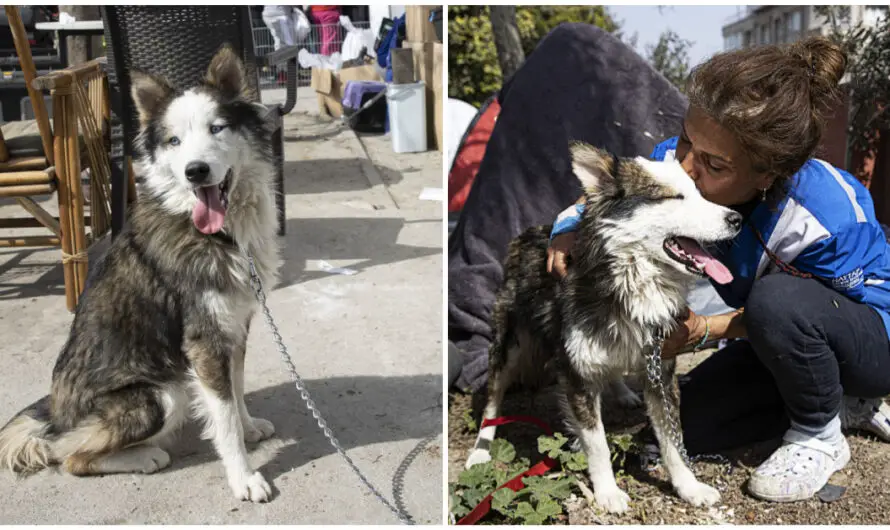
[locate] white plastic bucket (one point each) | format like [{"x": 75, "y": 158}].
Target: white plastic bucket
[{"x": 407, "y": 117}]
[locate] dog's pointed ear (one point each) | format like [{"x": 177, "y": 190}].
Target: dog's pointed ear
[
  {"x": 226, "y": 73},
  {"x": 149, "y": 92},
  {"x": 592, "y": 167}
]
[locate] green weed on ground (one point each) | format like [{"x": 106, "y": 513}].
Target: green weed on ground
[{"x": 542, "y": 499}]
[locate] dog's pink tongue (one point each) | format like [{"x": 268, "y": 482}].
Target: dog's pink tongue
[
  {"x": 713, "y": 268},
  {"x": 209, "y": 213}
]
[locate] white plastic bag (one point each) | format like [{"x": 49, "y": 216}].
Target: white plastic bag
[
  {"x": 355, "y": 40},
  {"x": 317, "y": 60},
  {"x": 302, "y": 28}
]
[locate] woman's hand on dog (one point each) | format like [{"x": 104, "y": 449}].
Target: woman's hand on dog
[
  {"x": 558, "y": 253},
  {"x": 690, "y": 331}
]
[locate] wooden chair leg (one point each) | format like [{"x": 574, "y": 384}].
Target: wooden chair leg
[
  {"x": 64, "y": 197},
  {"x": 67, "y": 145}
]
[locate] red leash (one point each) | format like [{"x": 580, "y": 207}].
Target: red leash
[{"x": 515, "y": 483}]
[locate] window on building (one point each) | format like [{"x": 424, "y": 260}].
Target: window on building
[
  {"x": 777, "y": 30},
  {"x": 764, "y": 34},
  {"x": 733, "y": 41},
  {"x": 794, "y": 22}
]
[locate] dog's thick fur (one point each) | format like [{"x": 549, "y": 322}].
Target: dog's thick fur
[
  {"x": 601, "y": 321},
  {"x": 162, "y": 327}
]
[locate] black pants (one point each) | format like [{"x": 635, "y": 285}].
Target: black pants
[{"x": 808, "y": 346}]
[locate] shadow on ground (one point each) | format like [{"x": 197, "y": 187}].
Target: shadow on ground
[
  {"x": 316, "y": 128},
  {"x": 304, "y": 177},
  {"x": 32, "y": 279},
  {"x": 371, "y": 240},
  {"x": 362, "y": 410}
]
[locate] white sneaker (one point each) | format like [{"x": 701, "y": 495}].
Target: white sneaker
[
  {"x": 798, "y": 469},
  {"x": 872, "y": 415}
]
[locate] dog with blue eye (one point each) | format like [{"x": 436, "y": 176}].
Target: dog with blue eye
[{"x": 161, "y": 332}]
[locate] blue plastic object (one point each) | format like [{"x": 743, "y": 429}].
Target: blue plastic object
[{"x": 384, "y": 58}]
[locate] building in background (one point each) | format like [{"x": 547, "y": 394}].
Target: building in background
[
  {"x": 759, "y": 25},
  {"x": 756, "y": 25}
]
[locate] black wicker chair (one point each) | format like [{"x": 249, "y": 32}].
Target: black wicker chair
[{"x": 178, "y": 43}]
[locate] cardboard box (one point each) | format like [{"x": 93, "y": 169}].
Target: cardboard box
[
  {"x": 329, "y": 86},
  {"x": 418, "y": 27},
  {"x": 428, "y": 68}
]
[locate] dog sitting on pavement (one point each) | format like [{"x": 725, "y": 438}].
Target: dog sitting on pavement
[{"x": 162, "y": 329}]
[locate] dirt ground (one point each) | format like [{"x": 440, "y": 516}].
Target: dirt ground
[{"x": 866, "y": 477}]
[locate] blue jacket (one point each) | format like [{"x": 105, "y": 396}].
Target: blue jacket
[{"x": 826, "y": 226}]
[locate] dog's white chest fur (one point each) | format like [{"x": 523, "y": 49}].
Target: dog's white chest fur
[
  {"x": 231, "y": 311},
  {"x": 596, "y": 354},
  {"x": 622, "y": 344}
]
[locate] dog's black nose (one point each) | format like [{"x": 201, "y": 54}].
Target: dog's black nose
[
  {"x": 197, "y": 172},
  {"x": 734, "y": 221}
]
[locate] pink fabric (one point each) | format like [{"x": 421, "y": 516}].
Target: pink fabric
[{"x": 330, "y": 30}]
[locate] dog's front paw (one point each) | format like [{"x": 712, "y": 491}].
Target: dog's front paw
[
  {"x": 478, "y": 456},
  {"x": 698, "y": 494},
  {"x": 252, "y": 488},
  {"x": 613, "y": 500},
  {"x": 154, "y": 460},
  {"x": 258, "y": 429}
]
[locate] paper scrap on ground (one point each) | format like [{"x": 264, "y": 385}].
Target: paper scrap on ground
[
  {"x": 327, "y": 267},
  {"x": 432, "y": 194}
]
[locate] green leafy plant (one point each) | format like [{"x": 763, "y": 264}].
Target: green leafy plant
[
  {"x": 539, "y": 502},
  {"x": 670, "y": 57},
  {"x": 621, "y": 445},
  {"x": 553, "y": 447},
  {"x": 470, "y": 424},
  {"x": 474, "y": 72}
]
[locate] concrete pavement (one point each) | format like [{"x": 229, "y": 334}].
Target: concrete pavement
[{"x": 368, "y": 346}]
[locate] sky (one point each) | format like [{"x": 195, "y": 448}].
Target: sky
[{"x": 701, "y": 24}]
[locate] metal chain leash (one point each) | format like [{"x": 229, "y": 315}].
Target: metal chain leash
[
  {"x": 257, "y": 285},
  {"x": 655, "y": 372}
]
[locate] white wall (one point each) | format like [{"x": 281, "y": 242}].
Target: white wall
[{"x": 379, "y": 12}]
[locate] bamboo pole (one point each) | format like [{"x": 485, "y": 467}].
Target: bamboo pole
[
  {"x": 26, "y": 190},
  {"x": 41, "y": 215},
  {"x": 25, "y": 177},
  {"x": 65, "y": 108},
  {"x": 27, "y": 222},
  {"x": 26, "y": 62},
  {"x": 25, "y": 163},
  {"x": 61, "y": 126},
  {"x": 32, "y": 241}
]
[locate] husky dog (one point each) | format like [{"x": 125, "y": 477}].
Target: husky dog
[
  {"x": 635, "y": 256},
  {"x": 163, "y": 326}
]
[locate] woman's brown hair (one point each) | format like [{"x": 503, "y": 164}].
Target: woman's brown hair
[{"x": 772, "y": 98}]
